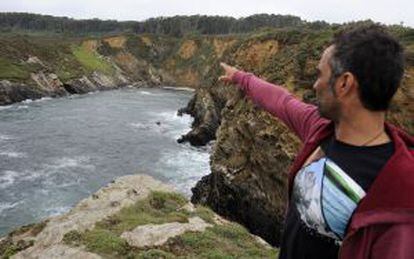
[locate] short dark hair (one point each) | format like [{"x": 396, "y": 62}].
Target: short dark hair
[{"x": 375, "y": 58}]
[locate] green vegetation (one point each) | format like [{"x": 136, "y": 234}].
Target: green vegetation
[
  {"x": 158, "y": 208},
  {"x": 32, "y": 229},
  {"x": 219, "y": 241},
  {"x": 11, "y": 70},
  {"x": 176, "y": 26},
  {"x": 91, "y": 61},
  {"x": 8, "y": 247},
  {"x": 54, "y": 54}
]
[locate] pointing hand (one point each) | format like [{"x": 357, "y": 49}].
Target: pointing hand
[{"x": 229, "y": 72}]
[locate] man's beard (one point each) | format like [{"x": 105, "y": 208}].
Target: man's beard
[{"x": 330, "y": 111}]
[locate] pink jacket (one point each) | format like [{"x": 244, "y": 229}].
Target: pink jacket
[{"x": 383, "y": 224}]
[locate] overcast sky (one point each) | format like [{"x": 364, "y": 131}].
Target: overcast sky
[{"x": 389, "y": 12}]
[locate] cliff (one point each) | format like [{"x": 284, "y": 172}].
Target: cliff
[
  {"x": 252, "y": 151},
  {"x": 135, "y": 217},
  {"x": 32, "y": 67}
]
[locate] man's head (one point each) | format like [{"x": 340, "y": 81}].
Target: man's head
[{"x": 363, "y": 67}]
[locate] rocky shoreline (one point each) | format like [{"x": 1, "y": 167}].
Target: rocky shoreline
[
  {"x": 134, "y": 216},
  {"x": 49, "y": 85}
]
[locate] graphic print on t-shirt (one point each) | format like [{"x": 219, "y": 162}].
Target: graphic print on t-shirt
[{"x": 325, "y": 197}]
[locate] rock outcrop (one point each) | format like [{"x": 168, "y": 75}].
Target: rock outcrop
[
  {"x": 152, "y": 234},
  {"x": 206, "y": 114},
  {"x": 248, "y": 169},
  {"x": 132, "y": 217},
  {"x": 11, "y": 92}
]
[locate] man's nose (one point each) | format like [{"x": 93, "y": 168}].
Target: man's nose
[{"x": 315, "y": 85}]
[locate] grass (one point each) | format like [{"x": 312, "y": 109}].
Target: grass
[
  {"x": 12, "y": 70},
  {"x": 33, "y": 229},
  {"x": 9, "y": 247},
  {"x": 158, "y": 208},
  {"x": 91, "y": 61},
  {"x": 219, "y": 241}
]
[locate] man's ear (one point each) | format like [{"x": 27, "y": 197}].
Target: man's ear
[{"x": 346, "y": 84}]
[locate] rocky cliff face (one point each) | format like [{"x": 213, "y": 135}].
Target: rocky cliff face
[
  {"x": 32, "y": 67},
  {"x": 134, "y": 217}
]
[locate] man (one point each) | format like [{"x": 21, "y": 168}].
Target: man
[{"x": 351, "y": 187}]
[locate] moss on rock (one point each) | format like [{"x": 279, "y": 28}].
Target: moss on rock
[{"x": 227, "y": 240}]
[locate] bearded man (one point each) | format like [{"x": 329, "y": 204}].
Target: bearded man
[{"x": 351, "y": 187}]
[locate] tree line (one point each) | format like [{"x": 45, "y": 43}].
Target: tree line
[{"x": 176, "y": 26}]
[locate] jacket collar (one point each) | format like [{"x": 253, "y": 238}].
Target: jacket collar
[{"x": 391, "y": 193}]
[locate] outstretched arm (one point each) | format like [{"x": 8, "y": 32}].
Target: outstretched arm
[{"x": 297, "y": 115}]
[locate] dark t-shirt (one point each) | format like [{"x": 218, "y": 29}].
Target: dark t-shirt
[{"x": 326, "y": 192}]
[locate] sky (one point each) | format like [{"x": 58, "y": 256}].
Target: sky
[{"x": 333, "y": 11}]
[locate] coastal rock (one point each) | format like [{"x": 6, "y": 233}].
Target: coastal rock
[
  {"x": 80, "y": 86},
  {"x": 64, "y": 252},
  {"x": 123, "y": 192},
  {"x": 35, "y": 60},
  {"x": 49, "y": 83},
  {"x": 156, "y": 235},
  {"x": 135, "y": 216},
  {"x": 103, "y": 81},
  {"x": 248, "y": 177},
  {"x": 206, "y": 119},
  {"x": 11, "y": 92}
]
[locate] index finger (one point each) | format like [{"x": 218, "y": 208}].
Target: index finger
[{"x": 224, "y": 65}]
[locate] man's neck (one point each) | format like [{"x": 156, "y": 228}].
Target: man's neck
[{"x": 363, "y": 128}]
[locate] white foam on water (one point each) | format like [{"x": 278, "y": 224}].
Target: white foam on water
[
  {"x": 57, "y": 210},
  {"x": 22, "y": 107},
  {"x": 173, "y": 125},
  {"x": 57, "y": 167},
  {"x": 186, "y": 160},
  {"x": 8, "y": 205},
  {"x": 171, "y": 116},
  {"x": 43, "y": 99},
  {"x": 186, "y": 166},
  {"x": 65, "y": 162},
  {"x": 187, "y": 89},
  {"x": 12, "y": 154},
  {"x": 145, "y": 93},
  {"x": 72, "y": 96},
  {"x": 139, "y": 125},
  {"x": 7, "y": 178},
  {"x": 5, "y": 107},
  {"x": 5, "y": 137},
  {"x": 27, "y": 101},
  {"x": 149, "y": 126}
]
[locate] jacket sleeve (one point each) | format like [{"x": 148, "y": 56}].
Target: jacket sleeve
[{"x": 297, "y": 115}]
